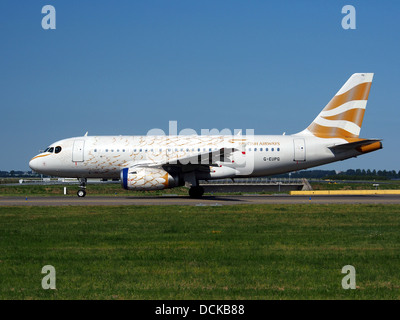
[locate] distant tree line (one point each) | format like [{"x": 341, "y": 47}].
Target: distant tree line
[
  {"x": 351, "y": 174},
  {"x": 17, "y": 174},
  {"x": 362, "y": 174}
]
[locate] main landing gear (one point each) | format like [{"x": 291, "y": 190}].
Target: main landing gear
[
  {"x": 196, "y": 192},
  {"x": 82, "y": 191}
]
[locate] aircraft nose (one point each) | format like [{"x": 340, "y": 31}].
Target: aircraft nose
[{"x": 33, "y": 164}]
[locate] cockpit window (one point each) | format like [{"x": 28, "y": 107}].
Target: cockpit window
[
  {"x": 46, "y": 150},
  {"x": 57, "y": 149},
  {"x": 50, "y": 150}
]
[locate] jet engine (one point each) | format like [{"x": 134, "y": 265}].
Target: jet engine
[{"x": 141, "y": 178}]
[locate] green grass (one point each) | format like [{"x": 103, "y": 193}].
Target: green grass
[
  {"x": 92, "y": 189},
  {"x": 98, "y": 190},
  {"x": 182, "y": 252}
]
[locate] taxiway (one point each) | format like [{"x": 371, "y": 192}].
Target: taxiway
[{"x": 205, "y": 201}]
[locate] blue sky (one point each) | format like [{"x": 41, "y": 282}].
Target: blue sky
[{"x": 125, "y": 67}]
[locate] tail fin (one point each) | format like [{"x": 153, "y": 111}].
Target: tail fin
[{"x": 343, "y": 115}]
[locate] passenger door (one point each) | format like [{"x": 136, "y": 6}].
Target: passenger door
[{"x": 77, "y": 151}]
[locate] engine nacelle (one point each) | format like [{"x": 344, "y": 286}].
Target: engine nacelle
[{"x": 147, "y": 179}]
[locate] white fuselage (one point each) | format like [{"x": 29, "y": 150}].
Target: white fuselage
[{"x": 258, "y": 155}]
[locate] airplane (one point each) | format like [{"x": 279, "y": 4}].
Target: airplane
[{"x": 157, "y": 162}]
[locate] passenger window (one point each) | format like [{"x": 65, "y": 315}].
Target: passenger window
[
  {"x": 57, "y": 149},
  {"x": 278, "y": 149},
  {"x": 272, "y": 149},
  {"x": 260, "y": 149},
  {"x": 266, "y": 149}
]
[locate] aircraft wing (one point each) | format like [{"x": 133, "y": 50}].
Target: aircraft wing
[{"x": 198, "y": 158}]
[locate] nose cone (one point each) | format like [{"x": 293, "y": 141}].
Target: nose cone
[{"x": 33, "y": 164}]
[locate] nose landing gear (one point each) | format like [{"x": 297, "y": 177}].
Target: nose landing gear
[{"x": 82, "y": 191}]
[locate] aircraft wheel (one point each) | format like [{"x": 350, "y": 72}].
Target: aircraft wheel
[
  {"x": 196, "y": 192},
  {"x": 81, "y": 193}
]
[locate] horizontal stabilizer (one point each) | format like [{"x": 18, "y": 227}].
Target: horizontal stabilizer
[{"x": 363, "y": 146}]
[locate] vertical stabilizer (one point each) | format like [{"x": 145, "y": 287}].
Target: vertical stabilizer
[{"x": 343, "y": 115}]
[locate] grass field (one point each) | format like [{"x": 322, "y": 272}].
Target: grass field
[
  {"x": 182, "y": 252},
  {"x": 92, "y": 189}
]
